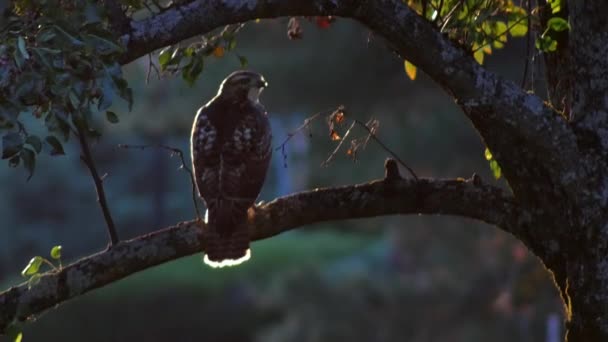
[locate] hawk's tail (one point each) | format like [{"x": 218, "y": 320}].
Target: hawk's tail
[{"x": 227, "y": 239}]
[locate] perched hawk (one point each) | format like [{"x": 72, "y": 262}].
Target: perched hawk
[{"x": 230, "y": 146}]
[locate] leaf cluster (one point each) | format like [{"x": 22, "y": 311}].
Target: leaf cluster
[{"x": 58, "y": 67}]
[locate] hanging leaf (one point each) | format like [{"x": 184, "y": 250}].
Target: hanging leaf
[
  {"x": 294, "y": 29},
  {"x": 410, "y": 70},
  {"x": 243, "y": 61},
  {"x": 12, "y": 143},
  {"x": 29, "y": 161},
  {"x": 32, "y": 267},
  {"x": 112, "y": 117},
  {"x": 56, "y": 147},
  {"x": 558, "y": 24},
  {"x": 478, "y": 54},
  {"x": 56, "y": 252},
  {"x": 35, "y": 142},
  {"x": 218, "y": 51},
  {"x": 22, "y": 48},
  {"x": 339, "y": 117},
  {"x": 334, "y": 135},
  {"x": 488, "y": 154},
  {"x": 164, "y": 57}
]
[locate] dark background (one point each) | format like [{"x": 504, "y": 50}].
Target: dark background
[{"x": 411, "y": 278}]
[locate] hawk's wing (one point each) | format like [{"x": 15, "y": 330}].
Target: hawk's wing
[{"x": 231, "y": 151}]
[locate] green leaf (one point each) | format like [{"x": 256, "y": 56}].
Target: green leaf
[
  {"x": 12, "y": 143},
  {"x": 164, "y": 57},
  {"x": 56, "y": 252},
  {"x": 22, "y": 48},
  {"x": 35, "y": 142},
  {"x": 71, "y": 39},
  {"x": 558, "y": 24},
  {"x": 243, "y": 61},
  {"x": 232, "y": 43},
  {"x": 112, "y": 117},
  {"x": 488, "y": 154},
  {"x": 546, "y": 44},
  {"x": 45, "y": 35},
  {"x": 518, "y": 22},
  {"x": 13, "y": 332},
  {"x": 191, "y": 71},
  {"x": 556, "y": 6},
  {"x": 496, "y": 171},
  {"x": 29, "y": 161},
  {"x": 104, "y": 46},
  {"x": 32, "y": 267},
  {"x": 56, "y": 147}
]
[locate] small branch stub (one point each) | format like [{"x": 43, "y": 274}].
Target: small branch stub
[{"x": 391, "y": 170}]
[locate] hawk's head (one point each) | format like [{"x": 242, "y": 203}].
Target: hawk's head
[{"x": 243, "y": 84}]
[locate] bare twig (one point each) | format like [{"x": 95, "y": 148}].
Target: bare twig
[
  {"x": 333, "y": 154},
  {"x": 87, "y": 158},
  {"x": 304, "y": 125},
  {"x": 151, "y": 66},
  {"x": 183, "y": 166}
]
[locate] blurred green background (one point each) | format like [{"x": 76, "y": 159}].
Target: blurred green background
[{"x": 411, "y": 278}]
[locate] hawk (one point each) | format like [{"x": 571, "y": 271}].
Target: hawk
[{"x": 231, "y": 150}]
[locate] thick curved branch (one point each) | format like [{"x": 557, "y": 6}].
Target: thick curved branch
[
  {"x": 390, "y": 196},
  {"x": 530, "y": 141}
]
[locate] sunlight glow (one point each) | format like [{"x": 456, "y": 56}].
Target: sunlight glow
[{"x": 228, "y": 262}]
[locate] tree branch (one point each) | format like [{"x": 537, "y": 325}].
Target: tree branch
[
  {"x": 87, "y": 158},
  {"x": 390, "y": 196}
]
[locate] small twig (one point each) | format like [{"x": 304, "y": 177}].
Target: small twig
[
  {"x": 87, "y": 158},
  {"x": 333, "y": 154},
  {"x": 51, "y": 265},
  {"x": 184, "y": 166},
  {"x": 304, "y": 125}
]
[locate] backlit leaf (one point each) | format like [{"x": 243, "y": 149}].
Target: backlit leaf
[
  {"x": 56, "y": 252},
  {"x": 218, "y": 51},
  {"x": 488, "y": 154},
  {"x": 410, "y": 70},
  {"x": 334, "y": 135},
  {"x": 478, "y": 55},
  {"x": 32, "y": 267},
  {"x": 558, "y": 24}
]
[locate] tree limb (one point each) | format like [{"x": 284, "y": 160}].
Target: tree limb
[
  {"x": 390, "y": 196},
  {"x": 87, "y": 158}
]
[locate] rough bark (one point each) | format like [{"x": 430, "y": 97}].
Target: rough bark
[{"x": 389, "y": 196}]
